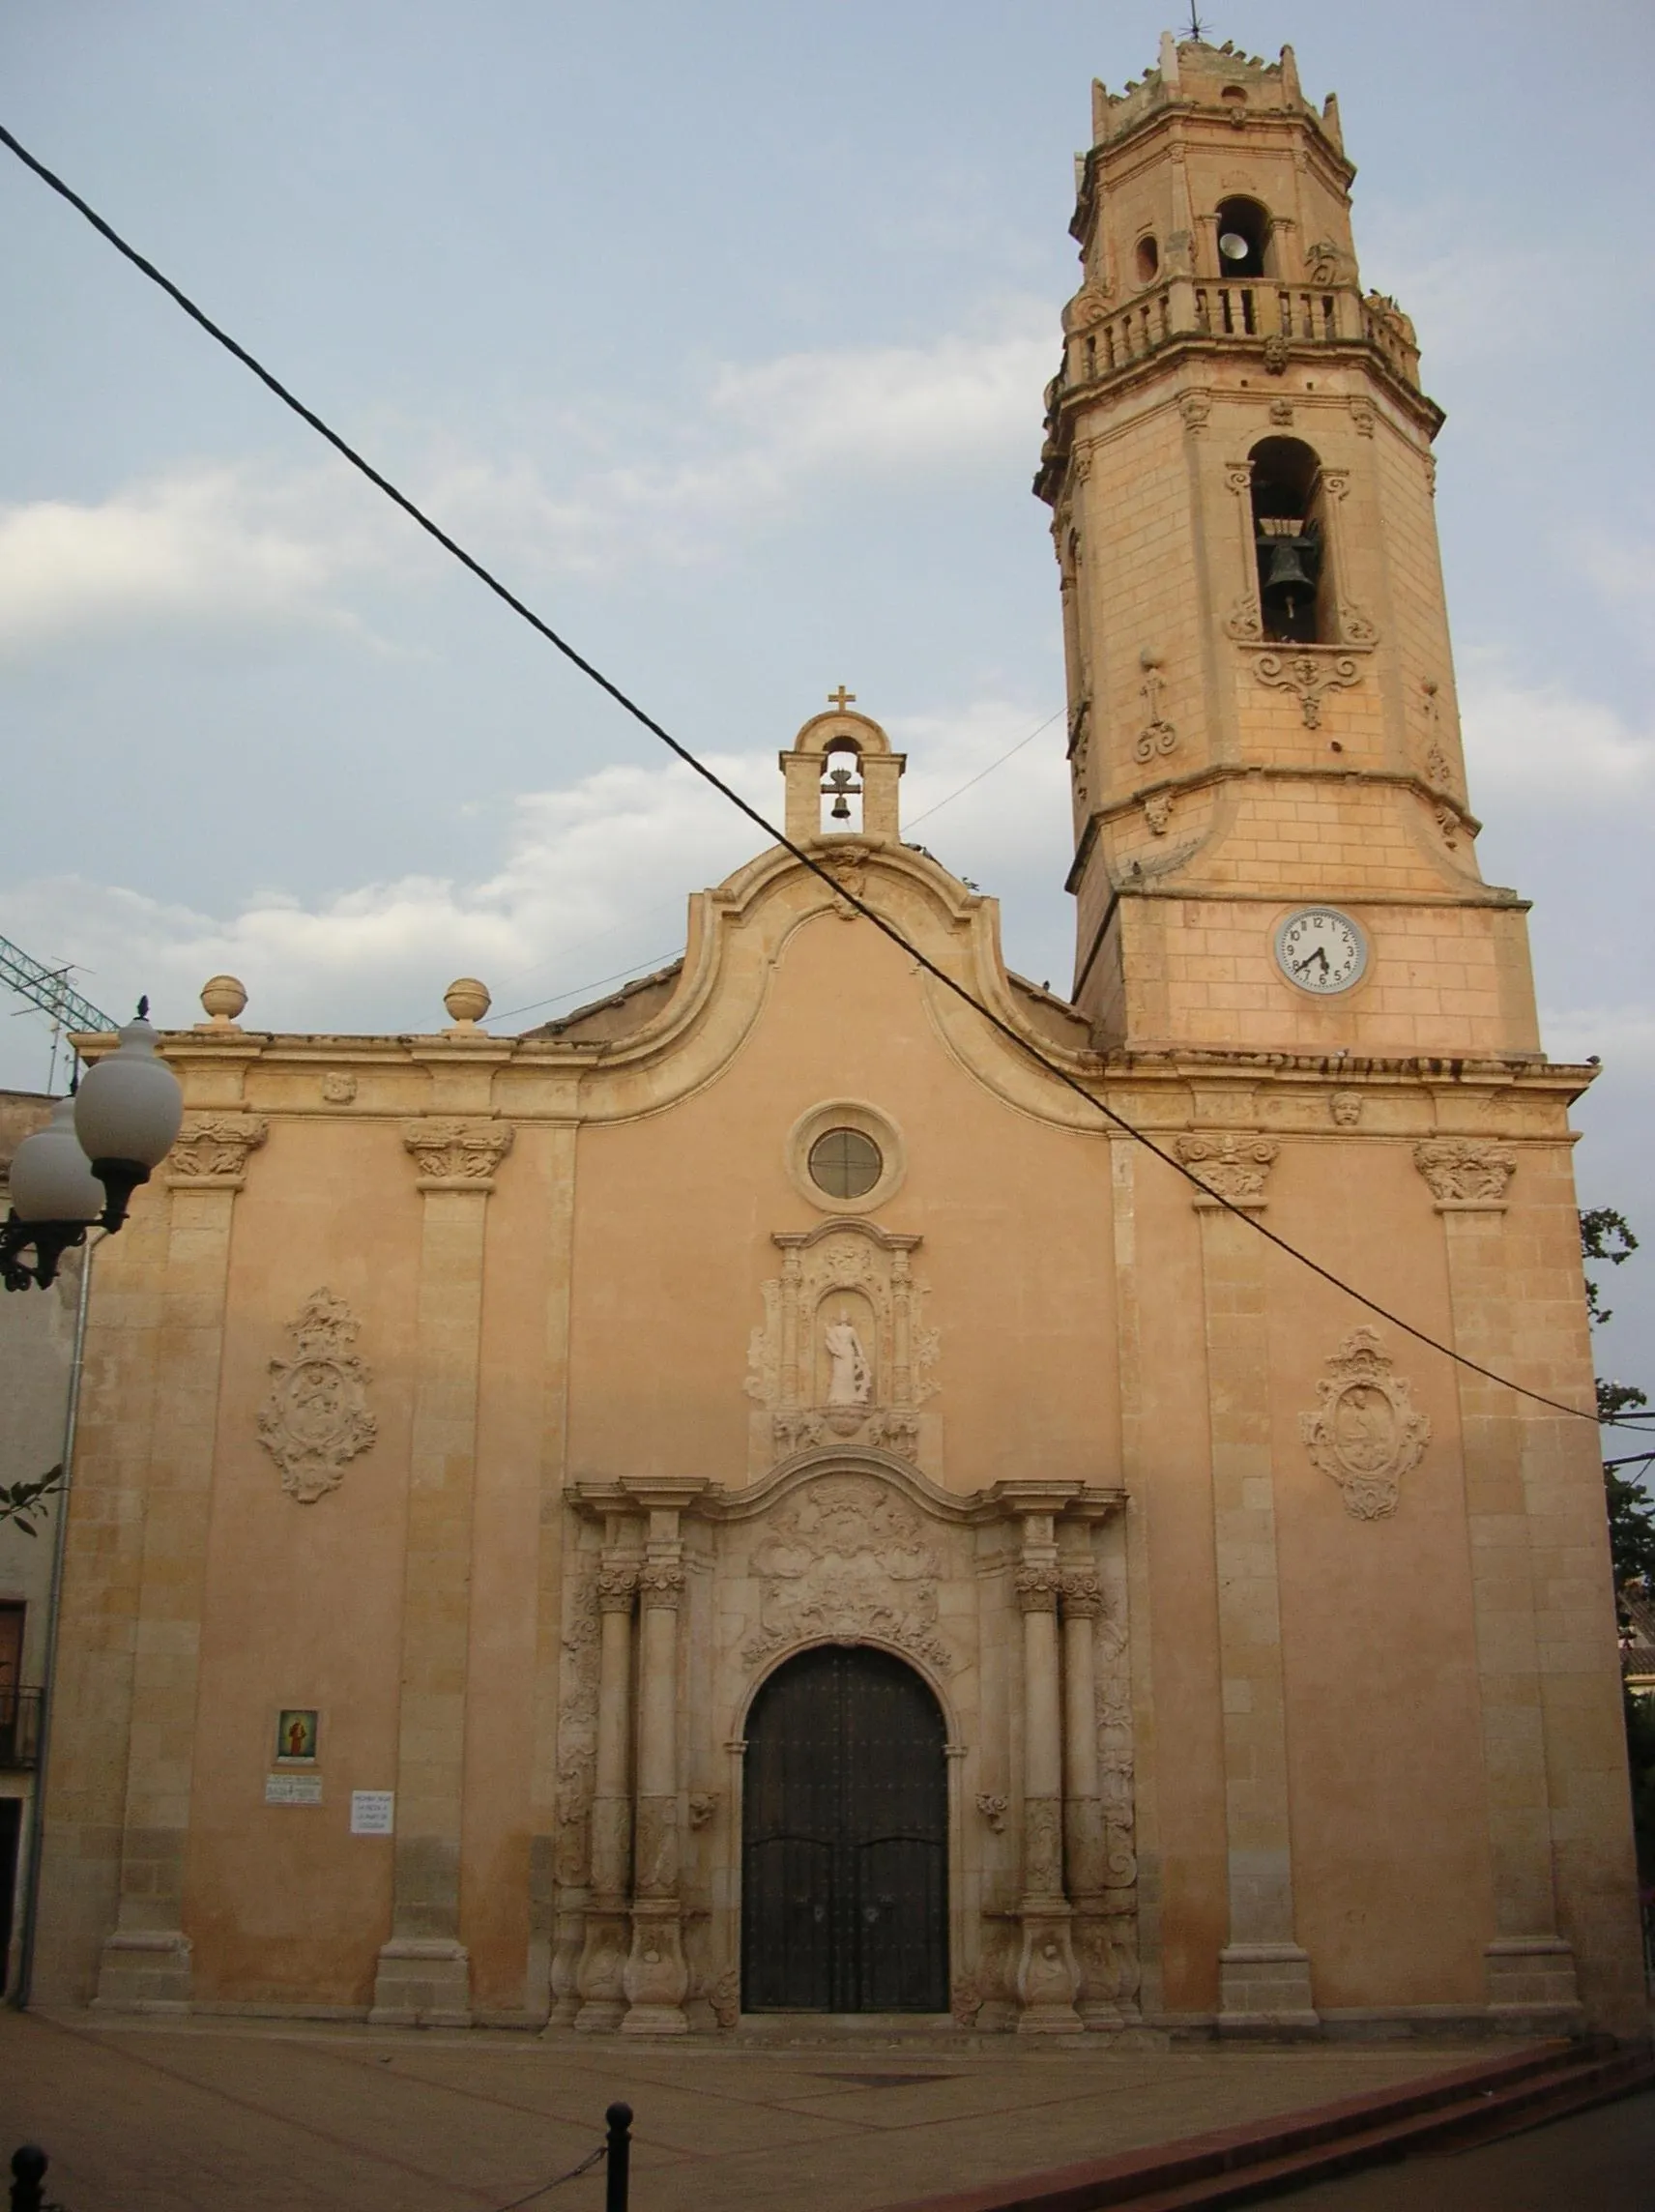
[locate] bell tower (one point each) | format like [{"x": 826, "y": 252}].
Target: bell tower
[{"x": 1274, "y": 847}]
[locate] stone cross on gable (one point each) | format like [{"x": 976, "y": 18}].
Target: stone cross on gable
[{"x": 841, "y": 698}]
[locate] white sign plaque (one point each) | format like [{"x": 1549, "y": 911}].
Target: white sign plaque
[
  {"x": 373, "y": 1811},
  {"x": 293, "y": 1790}
]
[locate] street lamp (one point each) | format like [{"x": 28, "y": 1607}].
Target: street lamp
[{"x": 80, "y": 1170}]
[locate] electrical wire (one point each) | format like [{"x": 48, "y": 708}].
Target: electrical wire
[
  {"x": 972, "y": 780},
  {"x": 638, "y": 967},
  {"x": 682, "y": 753}
]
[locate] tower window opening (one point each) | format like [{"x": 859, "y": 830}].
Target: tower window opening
[
  {"x": 1243, "y": 238},
  {"x": 1148, "y": 260},
  {"x": 841, "y": 784},
  {"x": 1289, "y": 540}
]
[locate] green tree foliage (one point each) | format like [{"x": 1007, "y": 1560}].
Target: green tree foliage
[
  {"x": 1606, "y": 1236},
  {"x": 21, "y": 1501}
]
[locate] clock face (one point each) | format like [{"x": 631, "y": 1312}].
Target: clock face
[{"x": 1321, "y": 949}]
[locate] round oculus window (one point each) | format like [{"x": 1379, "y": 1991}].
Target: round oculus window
[{"x": 845, "y": 1163}]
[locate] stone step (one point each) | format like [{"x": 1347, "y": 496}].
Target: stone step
[{"x": 1452, "y": 2110}]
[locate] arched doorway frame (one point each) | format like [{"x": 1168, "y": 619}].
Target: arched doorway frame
[{"x": 954, "y": 1752}]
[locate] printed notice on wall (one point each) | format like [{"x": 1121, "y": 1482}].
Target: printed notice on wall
[
  {"x": 373, "y": 1811},
  {"x": 293, "y": 1790}
]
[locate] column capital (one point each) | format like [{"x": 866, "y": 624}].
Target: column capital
[
  {"x": 1233, "y": 1163},
  {"x": 211, "y": 1150},
  {"x": 1083, "y": 1593},
  {"x": 617, "y": 1586},
  {"x": 1037, "y": 1588},
  {"x": 457, "y": 1155},
  {"x": 661, "y": 1582},
  {"x": 1465, "y": 1175}
]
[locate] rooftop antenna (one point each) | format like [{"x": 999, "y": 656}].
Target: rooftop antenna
[{"x": 1198, "y": 29}]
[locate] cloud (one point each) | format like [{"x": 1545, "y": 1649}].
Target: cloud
[
  {"x": 202, "y": 544},
  {"x": 1530, "y": 744},
  {"x": 239, "y": 543}
]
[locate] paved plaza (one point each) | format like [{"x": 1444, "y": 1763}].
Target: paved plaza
[{"x": 236, "y": 2115}]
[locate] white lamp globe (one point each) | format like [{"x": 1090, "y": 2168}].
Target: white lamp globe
[
  {"x": 130, "y": 1105},
  {"x": 51, "y": 1177}
]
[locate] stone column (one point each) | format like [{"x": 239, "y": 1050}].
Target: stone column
[
  {"x": 602, "y": 1998},
  {"x": 1529, "y": 1967},
  {"x": 425, "y": 1973},
  {"x": 657, "y": 1977},
  {"x": 145, "y": 1964},
  {"x": 1046, "y": 1977},
  {"x": 1264, "y": 1972}
]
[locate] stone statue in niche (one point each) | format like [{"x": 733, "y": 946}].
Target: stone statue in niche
[
  {"x": 843, "y": 1352},
  {"x": 850, "y": 1378}
]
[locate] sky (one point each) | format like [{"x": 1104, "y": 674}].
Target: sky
[{"x": 721, "y": 333}]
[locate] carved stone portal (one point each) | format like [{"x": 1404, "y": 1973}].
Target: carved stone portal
[
  {"x": 315, "y": 1419},
  {"x": 1367, "y": 1432},
  {"x": 845, "y": 1559},
  {"x": 841, "y": 1356}
]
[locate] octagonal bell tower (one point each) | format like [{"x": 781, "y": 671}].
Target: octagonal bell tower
[{"x": 1274, "y": 846}]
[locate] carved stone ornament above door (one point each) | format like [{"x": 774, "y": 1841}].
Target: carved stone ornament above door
[
  {"x": 315, "y": 1419},
  {"x": 842, "y": 1355}
]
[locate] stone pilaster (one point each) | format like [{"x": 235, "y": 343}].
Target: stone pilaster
[
  {"x": 600, "y": 1976},
  {"x": 1264, "y": 1971},
  {"x": 145, "y": 1964},
  {"x": 1529, "y": 1968},
  {"x": 657, "y": 1977},
  {"x": 425, "y": 1973},
  {"x": 1047, "y": 1980},
  {"x": 1085, "y": 1836}
]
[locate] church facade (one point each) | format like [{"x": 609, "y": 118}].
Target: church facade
[{"x": 757, "y": 1498}]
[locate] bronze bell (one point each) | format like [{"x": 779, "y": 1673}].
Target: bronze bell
[
  {"x": 843, "y": 780},
  {"x": 1285, "y": 569}
]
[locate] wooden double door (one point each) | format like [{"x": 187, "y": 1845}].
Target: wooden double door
[{"x": 845, "y": 1839}]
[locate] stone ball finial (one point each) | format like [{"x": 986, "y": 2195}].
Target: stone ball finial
[
  {"x": 467, "y": 1000},
  {"x": 223, "y": 997}
]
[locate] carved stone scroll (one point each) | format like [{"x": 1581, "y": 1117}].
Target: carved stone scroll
[
  {"x": 1246, "y": 620},
  {"x": 1310, "y": 676},
  {"x": 1367, "y": 1432},
  {"x": 315, "y": 1419}
]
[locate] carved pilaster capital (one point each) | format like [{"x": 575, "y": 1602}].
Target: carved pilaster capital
[
  {"x": 661, "y": 1582},
  {"x": 1083, "y": 1593},
  {"x": 211, "y": 1150},
  {"x": 457, "y": 1155},
  {"x": 617, "y": 1586},
  {"x": 1233, "y": 1164},
  {"x": 1037, "y": 1588},
  {"x": 1465, "y": 1173}
]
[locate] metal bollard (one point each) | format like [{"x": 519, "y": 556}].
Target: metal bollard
[
  {"x": 28, "y": 2175},
  {"x": 619, "y": 2159}
]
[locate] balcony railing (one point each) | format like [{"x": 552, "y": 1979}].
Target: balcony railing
[
  {"x": 1296, "y": 314},
  {"x": 19, "y": 1729}
]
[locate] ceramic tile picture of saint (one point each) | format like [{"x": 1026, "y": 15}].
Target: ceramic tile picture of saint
[{"x": 296, "y": 1733}]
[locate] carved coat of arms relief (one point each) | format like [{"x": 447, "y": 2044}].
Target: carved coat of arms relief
[
  {"x": 842, "y": 1354},
  {"x": 1367, "y": 1432},
  {"x": 316, "y": 1417}
]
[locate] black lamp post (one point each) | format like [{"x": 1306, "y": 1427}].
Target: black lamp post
[{"x": 80, "y": 1170}]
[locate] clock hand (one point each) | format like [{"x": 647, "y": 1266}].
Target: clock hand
[{"x": 1299, "y": 966}]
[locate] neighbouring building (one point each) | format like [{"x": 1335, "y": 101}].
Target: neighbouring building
[
  {"x": 37, "y": 1351},
  {"x": 757, "y": 1498}
]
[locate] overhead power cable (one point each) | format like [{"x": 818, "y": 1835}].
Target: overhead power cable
[{"x": 646, "y": 720}]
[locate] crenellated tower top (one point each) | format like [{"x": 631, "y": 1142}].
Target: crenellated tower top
[{"x": 1261, "y": 710}]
